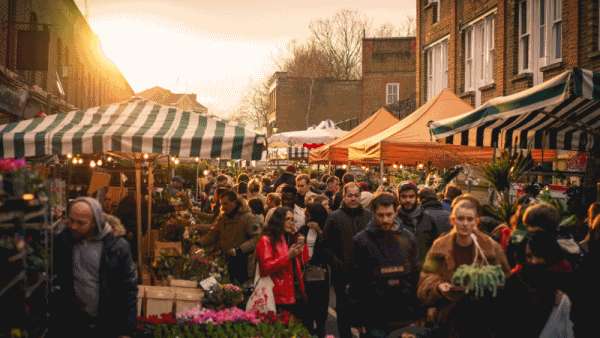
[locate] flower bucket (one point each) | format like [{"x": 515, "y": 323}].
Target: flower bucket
[{"x": 159, "y": 299}]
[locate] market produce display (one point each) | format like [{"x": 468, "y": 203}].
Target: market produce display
[{"x": 477, "y": 278}]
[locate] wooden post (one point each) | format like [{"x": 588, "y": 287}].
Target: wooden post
[
  {"x": 138, "y": 202},
  {"x": 329, "y": 168},
  {"x": 381, "y": 171},
  {"x": 150, "y": 189}
]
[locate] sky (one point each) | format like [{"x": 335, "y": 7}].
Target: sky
[{"x": 214, "y": 48}]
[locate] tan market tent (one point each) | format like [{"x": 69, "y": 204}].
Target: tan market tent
[
  {"x": 408, "y": 142},
  {"x": 337, "y": 151}
]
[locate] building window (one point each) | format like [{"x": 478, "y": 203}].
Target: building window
[
  {"x": 540, "y": 34},
  {"x": 391, "y": 90},
  {"x": 437, "y": 68},
  {"x": 436, "y": 9},
  {"x": 479, "y": 54}
]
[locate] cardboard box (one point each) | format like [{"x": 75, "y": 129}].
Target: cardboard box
[
  {"x": 159, "y": 299},
  {"x": 188, "y": 300},
  {"x": 140, "y": 298},
  {"x": 182, "y": 283}
]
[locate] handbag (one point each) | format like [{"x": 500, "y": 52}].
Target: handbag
[
  {"x": 262, "y": 299},
  {"x": 314, "y": 273}
]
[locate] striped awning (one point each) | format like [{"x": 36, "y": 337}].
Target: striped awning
[
  {"x": 297, "y": 152},
  {"x": 327, "y": 124},
  {"x": 132, "y": 127},
  {"x": 562, "y": 113}
]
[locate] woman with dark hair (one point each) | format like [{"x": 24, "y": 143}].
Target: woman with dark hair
[
  {"x": 317, "y": 290},
  {"x": 535, "y": 298},
  {"x": 280, "y": 254}
]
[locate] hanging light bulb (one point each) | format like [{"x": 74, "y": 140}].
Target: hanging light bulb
[
  {"x": 395, "y": 166},
  {"x": 99, "y": 162},
  {"x": 69, "y": 155},
  {"x": 205, "y": 172},
  {"x": 146, "y": 156},
  {"x": 80, "y": 161},
  {"x": 109, "y": 159},
  {"x": 92, "y": 163},
  {"x": 172, "y": 158},
  {"x": 176, "y": 161},
  {"x": 400, "y": 166},
  {"x": 344, "y": 167},
  {"x": 385, "y": 179},
  {"x": 74, "y": 161},
  {"x": 197, "y": 159},
  {"x": 420, "y": 165}
]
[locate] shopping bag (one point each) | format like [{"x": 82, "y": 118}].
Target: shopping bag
[{"x": 262, "y": 299}]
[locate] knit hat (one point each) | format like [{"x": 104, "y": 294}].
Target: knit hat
[
  {"x": 405, "y": 185},
  {"x": 290, "y": 168},
  {"x": 177, "y": 179},
  {"x": 363, "y": 186}
]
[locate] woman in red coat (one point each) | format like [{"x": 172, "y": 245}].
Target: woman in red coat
[{"x": 280, "y": 256}]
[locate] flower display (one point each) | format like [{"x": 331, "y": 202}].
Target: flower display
[{"x": 10, "y": 164}]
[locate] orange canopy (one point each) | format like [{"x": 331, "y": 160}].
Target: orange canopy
[
  {"x": 337, "y": 151},
  {"x": 408, "y": 142}
]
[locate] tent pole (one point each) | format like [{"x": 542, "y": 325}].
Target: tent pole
[
  {"x": 308, "y": 169},
  {"x": 170, "y": 177},
  {"x": 381, "y": 171},
  {"x": 197, "y": 174},
  {"x": 329, "y": 168},
  {"x": 138, "y": 202},
  {"x": 150, "y": 190}
]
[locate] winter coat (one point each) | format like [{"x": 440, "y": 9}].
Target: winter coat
[
  {"x": 384, "y": 276},
  {"x": 286, "y": 177},
  {"x": 240, "y": 231},
  {"x": 260, "y": 196},
  {"x": 117, "y": 301},
  {"x": 439, "y": 267},
  {"x": 427, "y": 228},
  {"x": 447, "y": 204},
  {"x": 337, "y": 200},
  {"x": 441, "y": 217},
  {"x": 273, "y": 262},
  {"x": 341, "y": 226}
]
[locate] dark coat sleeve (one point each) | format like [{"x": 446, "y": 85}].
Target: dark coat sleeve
[
  {"x": 329, "y": 237},
  {"x": 128, "y": 284},
  {"x": 337, "y": 200}
]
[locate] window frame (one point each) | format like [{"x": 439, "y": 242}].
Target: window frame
[
  {"x": 479, "y": 52},
  {"x": 524, "y": 46},
  {"x": 437, "y": 69},
  {"x": 553, "y": 36},
  {"x": 387, "y": 92},
  {"x": 437, "y": 9}
]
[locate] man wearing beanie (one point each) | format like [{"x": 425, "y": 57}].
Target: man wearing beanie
[
  {"x": 287, "y": 177},
  {"x": 412, "y": 216},
  {"x": 96, "y": 288}
]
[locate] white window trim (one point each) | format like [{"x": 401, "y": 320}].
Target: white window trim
[
  {"x": 437, "y": 68},
  {"x": 387, "y": 92},
  {"x": 479, "y": 52},
  {"x": 550, "y": 40},
  {"x": 437, "y": 6}
]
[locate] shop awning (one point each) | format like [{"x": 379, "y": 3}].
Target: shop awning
[
  {"x": 408, "y": 142},
  {"x": 337, "y": 151},
  {"x": 133, "y": 127},
  {"x": 307, "y": 136},
  {"x": 561, "y": 113}
]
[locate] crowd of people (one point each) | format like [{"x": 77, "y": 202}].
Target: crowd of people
[{"x": 390, "y": 254}]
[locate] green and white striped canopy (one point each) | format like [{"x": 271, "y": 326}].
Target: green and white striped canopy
[
  {"x": 133, "y": 127},
  {"x": 562, "y": 113}
]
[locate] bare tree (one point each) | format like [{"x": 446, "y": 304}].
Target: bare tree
[
  {"x": 306, "y": 60},
  {"x": 386, "y": 30},
  {"x": 408, "y": 27},
  {"x": 340, "y": 37},
  {"x": 255, "y": 106}
]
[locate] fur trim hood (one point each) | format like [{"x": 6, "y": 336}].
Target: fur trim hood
[{"x": 115, "y": 223}]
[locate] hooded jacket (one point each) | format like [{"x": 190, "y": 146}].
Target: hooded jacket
[
  {"x": 439, "y": 267},
  {"x": 341, "y": 226},
  {"x": 384, "y": 276},
  {"x": 96, "y": 281},
  {"x": 240, "y": 231},
  {"x": 424, "y": 226}
]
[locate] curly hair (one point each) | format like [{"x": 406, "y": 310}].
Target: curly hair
[{"x": 275, "y": 227}]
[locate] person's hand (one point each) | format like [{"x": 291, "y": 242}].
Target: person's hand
[
  {"x": 432, "y": 314},
  {"x": 231, "y": 252},
  {"x": 445, "y": 290},
  {"x": 315, "y": 225},
  {"x": 193, "y": 249},
  {"x": 295, "y": 251}
]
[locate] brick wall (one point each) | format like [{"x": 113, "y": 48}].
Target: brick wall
[
  {"x": 79, "y": 48},
  {"x": 335, "y": 100},
  {"x": 386, "y": 60}
]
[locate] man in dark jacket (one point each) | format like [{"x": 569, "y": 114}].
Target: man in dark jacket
[
  {"x": 333, "y": 185},
  {"x": 421, "y": 224},
  {"x": 430, "y": 205},
  {"x": 385, "y": 272},
  {"x": 452, "y": 191},
  {"x": 341, "y": 226},
  {"x": 347, "y": 178},
  {"x": 287, "y": 177},
  {"x": 95, "y": 290}
]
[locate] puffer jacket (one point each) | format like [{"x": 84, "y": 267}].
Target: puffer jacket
[
  {"x": 341, "y": 226},
  {"x": 441, "y": 217},
  {"x": 273, "y": 262},
  {"x": 241, "y": 231},
  {"x": 384, "y": 276},
  {"x": 439, "y": 267}
]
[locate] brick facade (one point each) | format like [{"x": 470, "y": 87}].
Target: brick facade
[
  {"x": 386, "y": 60},
  {"x": 331, "y": 99},
  {"x": 92, "y": 80},
  {"x": 580, "y": 47}
]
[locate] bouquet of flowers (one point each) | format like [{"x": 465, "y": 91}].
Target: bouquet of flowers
[{"x": 174, "y": 228}]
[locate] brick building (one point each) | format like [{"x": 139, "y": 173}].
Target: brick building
[
  {"x": 78, "y": 73},
  {"x": 388, "y": 72},
  {"x": 331, "y": 99},
  {"x": 164, "y": 96},
  {"x": 490, "y": 48}
]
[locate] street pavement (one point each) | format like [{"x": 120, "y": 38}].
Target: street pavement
[{"x": 331, "y": 324}]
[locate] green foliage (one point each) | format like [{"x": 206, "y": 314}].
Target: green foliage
[
  {"x": 448, "y": 176},
  {"x": 501, "y": 174}
]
